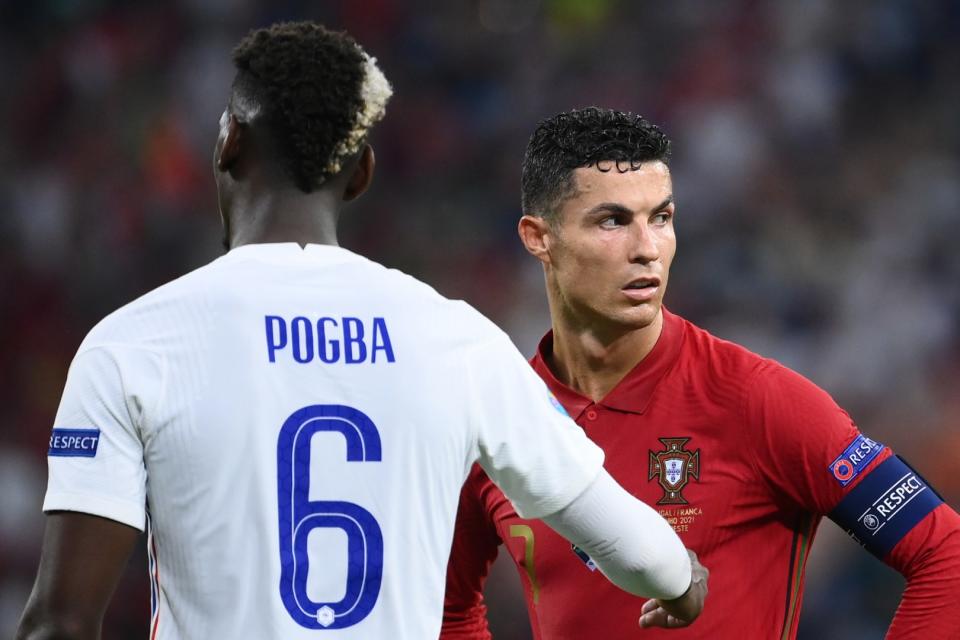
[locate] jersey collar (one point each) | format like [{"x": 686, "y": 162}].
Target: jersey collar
[
  {"x": 633, "y": 393},
  {"x": 284, "y": 251}
]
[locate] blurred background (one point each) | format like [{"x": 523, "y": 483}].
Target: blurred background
[{"x": 815, "y": 168}]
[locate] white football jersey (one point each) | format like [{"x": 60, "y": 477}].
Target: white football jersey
[{"x": 292, "y": 426}]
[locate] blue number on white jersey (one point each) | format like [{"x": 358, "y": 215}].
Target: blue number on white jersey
[{"x": 299, "y": 516}]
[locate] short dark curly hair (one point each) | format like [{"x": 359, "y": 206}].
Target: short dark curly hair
[
  {"x": 583, "y": 138},
  {"x": 308, "y": 82}
]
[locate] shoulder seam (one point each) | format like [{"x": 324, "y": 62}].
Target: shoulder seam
[{"x": 105, "y": 346}]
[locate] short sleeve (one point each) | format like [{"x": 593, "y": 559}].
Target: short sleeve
[
  {"x": 528, "y": 445},
  {"x": 800, "y": 435},
  {"x": 95, "y": 460}
]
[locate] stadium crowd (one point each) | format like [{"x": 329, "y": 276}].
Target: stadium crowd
[{"x": 816, "y": 164}]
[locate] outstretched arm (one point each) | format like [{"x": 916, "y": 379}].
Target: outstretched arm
[
  {"x": 548, "y": 468},
  {"x": 631, "y": 543},
  {"x": 81, "y": 563}
]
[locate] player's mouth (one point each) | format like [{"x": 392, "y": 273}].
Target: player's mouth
[{"x": 642, "y": 289}]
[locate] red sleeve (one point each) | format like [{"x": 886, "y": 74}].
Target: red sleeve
[
  {"x": 803, "y": 432},
  {"x": 798, "y": 431},
  {"x": 929, "y": 557},
  {"x": 474, "y": 549}
]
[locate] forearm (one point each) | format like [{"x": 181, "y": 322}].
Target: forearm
[
  {"x": 468, "y": 624},
  {"x": 929, "y": 557},
  {"x": 42, "y": 623},
  {"x": 55, "y": 631},
  {"x": 636, "y": 549}
]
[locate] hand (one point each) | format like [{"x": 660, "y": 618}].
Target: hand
[{"x": 682, "y": 611}]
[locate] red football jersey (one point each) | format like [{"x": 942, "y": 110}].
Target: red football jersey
[{"x": 740, "y": 454}]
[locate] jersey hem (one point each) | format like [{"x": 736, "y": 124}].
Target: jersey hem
[{"x": 98, "y": 506}]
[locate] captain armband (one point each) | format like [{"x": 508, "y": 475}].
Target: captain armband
[{"x": 885, "y": 506}]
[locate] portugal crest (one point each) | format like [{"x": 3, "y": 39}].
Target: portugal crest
[{"x": 673, "y": 467}]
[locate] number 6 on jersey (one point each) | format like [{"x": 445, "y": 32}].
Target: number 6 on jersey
[{"x": 299, "y": 516}]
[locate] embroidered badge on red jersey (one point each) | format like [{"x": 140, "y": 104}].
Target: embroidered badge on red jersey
[
  {"x": 673, "y": 467},
  {"x": 854, "y": 459}
]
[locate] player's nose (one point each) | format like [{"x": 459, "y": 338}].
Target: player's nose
[{"x": 643, "y": 246}]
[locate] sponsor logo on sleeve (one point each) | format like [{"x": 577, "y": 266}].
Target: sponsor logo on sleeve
[
  {"x": 854, "y": 459},
  {"x": 74, "y": 443}
]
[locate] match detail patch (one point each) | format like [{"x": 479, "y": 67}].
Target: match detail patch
[
  {"x": 74, "y": 443},
  {"x": 854, "y": 459},
  {"x": 885, "y": 506}
]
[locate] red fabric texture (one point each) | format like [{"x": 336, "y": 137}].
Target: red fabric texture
[{"x": 734, "y": 450}]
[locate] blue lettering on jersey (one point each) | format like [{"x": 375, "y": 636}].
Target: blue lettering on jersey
[
  {"x": 885, "y": 506},
  {"x": 349, "y": 340},
  {"x": 301, "y": 339},
  {"x": 854, "y": 459},
  {"x": 276, "y": 335},
  {"x": 74, "y": 443},
  {"x": 329, "y": 349},
  {"x": 381, "y": 341},
  {"x": 353, "y": 337}
]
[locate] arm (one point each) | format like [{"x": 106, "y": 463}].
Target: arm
[
  {"x": 848, "y": 476},
  {"x": 629, "y": 542},
  {"x": 475, "y": 547},
  {"x": 548, "y": 468},
  {"x": 897, "y": 516},
  {"x": 929, "y": 557},
  {"x": 96, "y": 493},
  {"x": 82, "y": 560}
]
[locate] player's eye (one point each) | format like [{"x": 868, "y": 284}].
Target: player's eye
[
  {"x": 613, "y": 221},
  {"x": 661, "y": 218}
]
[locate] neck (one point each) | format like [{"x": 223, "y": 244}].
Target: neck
[
  {"x": 591, "y": 360},
  {"x": 286, "y": 215}
]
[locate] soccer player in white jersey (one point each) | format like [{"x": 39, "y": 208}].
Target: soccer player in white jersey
[{"x": 292, "y": 423}]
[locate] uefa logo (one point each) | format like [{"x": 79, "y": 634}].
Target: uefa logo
[{"x": 871, "y": 522}]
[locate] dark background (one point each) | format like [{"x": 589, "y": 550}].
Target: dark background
[{"x": 815, "y": 169}]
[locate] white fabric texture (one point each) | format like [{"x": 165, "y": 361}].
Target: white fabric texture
[
  {"x": 640, "y": 552},
  {"x": 259, "y": 406}
]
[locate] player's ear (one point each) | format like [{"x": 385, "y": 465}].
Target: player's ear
[
  {"x": 536, "y": 235},
  {"x": 229, "y": 141},
  {"x": 362, "y": 174}
]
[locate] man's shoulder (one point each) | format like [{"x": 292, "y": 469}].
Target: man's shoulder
[
  {"x": 408, "y": 295},
  {"x": 137, "y": 322},
  {"x": 442, "y": 315},
  {"x": 721, "y": 368},
  {"x": 187, "y": 303},
  {"x": 717, "y": 356},
  {"x": 723, "y": 363}
]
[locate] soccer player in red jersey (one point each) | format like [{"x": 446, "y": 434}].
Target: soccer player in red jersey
[{"x": 740, "y": 454}]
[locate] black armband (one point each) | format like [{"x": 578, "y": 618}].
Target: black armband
[{"x": 885, "y": 506}]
